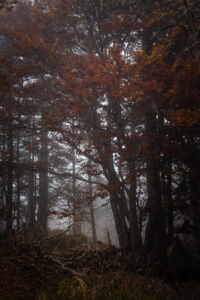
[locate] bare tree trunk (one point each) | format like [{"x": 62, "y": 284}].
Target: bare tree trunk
[
  {"x": 43, "y": 184},
  {"x": 31, "y": 196},
  {"x": 118, "y": 204},
  {"x": 195, "y": 201},
  {"x": 76, "y": 200},
  {"x": 3, "y": 188},
  {"x": 18, "y": 204},
  {"x": 94, "y": 235},
  {"x": 2, "y": 206},
  {"x": 9, "y": 196},
  {"x": 155, "y": 235},
  {"x": 121, "y": 226},
  {"x": 170, "y": 225},
  {"x": 135, "y": 235}
]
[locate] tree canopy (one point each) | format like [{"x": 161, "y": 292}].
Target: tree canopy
[{"x": 102, "y": 93}]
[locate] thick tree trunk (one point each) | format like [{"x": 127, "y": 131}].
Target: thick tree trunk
[
  {"x": 118, "y": 199},
  {"x": 135, "y": 235},
  {"x": 155, "y": 236},
  {"x": 118, "y": 204},
  {"x": 120, "y": 223}
]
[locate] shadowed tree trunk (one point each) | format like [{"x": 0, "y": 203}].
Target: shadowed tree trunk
[
  {"x": 2, "y": 200},
  {"x": 76, "y": 200},
  {"x": 93, "y": 225},
  {"x": 18, "y": 202},
  {"x": 155, "y": 236},
  {"x": 118, "y": 204},
  {"x": 170, "y": 224},
  {"x": 136, "y": 242},
  {"x": 43, "y": 183},
  {"x": 3, "y": 187},
  {"x": 9, "y": 195},
  {"x": 31, "y": 195}
]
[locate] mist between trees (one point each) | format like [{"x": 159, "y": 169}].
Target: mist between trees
[{"x": 100, "y": 103}]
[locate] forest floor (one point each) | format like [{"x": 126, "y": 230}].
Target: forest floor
[{"x": 29, "y": 273}]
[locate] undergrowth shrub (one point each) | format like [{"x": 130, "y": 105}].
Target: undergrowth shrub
[
  {"x": 76, "y": 289},
  {"x": 60, "y": 240}
]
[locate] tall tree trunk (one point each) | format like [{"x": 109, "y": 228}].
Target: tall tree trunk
[
  {"x": 120, "y": 223},
  {"x": 2, "y": 206},
  {"x": 9, "y": 196},
  {"x": 170, "y": 225},
  {"x": 118, "y": 204},
  {"x": 76, "y": 201},
  {"x": 155, "y": 235},
  {"x": 118, "y": 199},
  {"x": 31, "y": 196},
  {"x": 93, "y": 225},
  {"x": 18, "y": 203},
  {"x": 3, "y": 188},
  {"x": 135, "y": 235},
  {"x": 166, "y": 187},
  {"x": 43, "y": 184},
  {"x": 195, "y": 201}
]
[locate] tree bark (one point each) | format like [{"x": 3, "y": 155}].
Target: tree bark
[
  {"x": 31, "y": 196},
  {"x": 170, "y": 225},
  {"x": 76, "y": 201},
  {"x": 136, "y": 242},
  {"x": 43, "y": 184},
  {"x": 93, "y": 225},
  {"x": 9, "y": 196},
  {"x": 155, "y": 235},
  {"x": 118, "y": 204}
]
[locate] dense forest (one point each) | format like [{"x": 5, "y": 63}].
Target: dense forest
[{"x": 99, "y": 101}]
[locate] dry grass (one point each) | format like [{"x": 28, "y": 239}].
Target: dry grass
[{"x": 94, "y": 275}]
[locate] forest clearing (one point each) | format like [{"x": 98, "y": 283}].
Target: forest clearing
[{"x": 99, "y": 149}]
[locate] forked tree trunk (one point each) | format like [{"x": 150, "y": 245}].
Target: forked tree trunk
[
  {"x": 120, "y": 223},
  {"x": 118, "y": 204}
]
